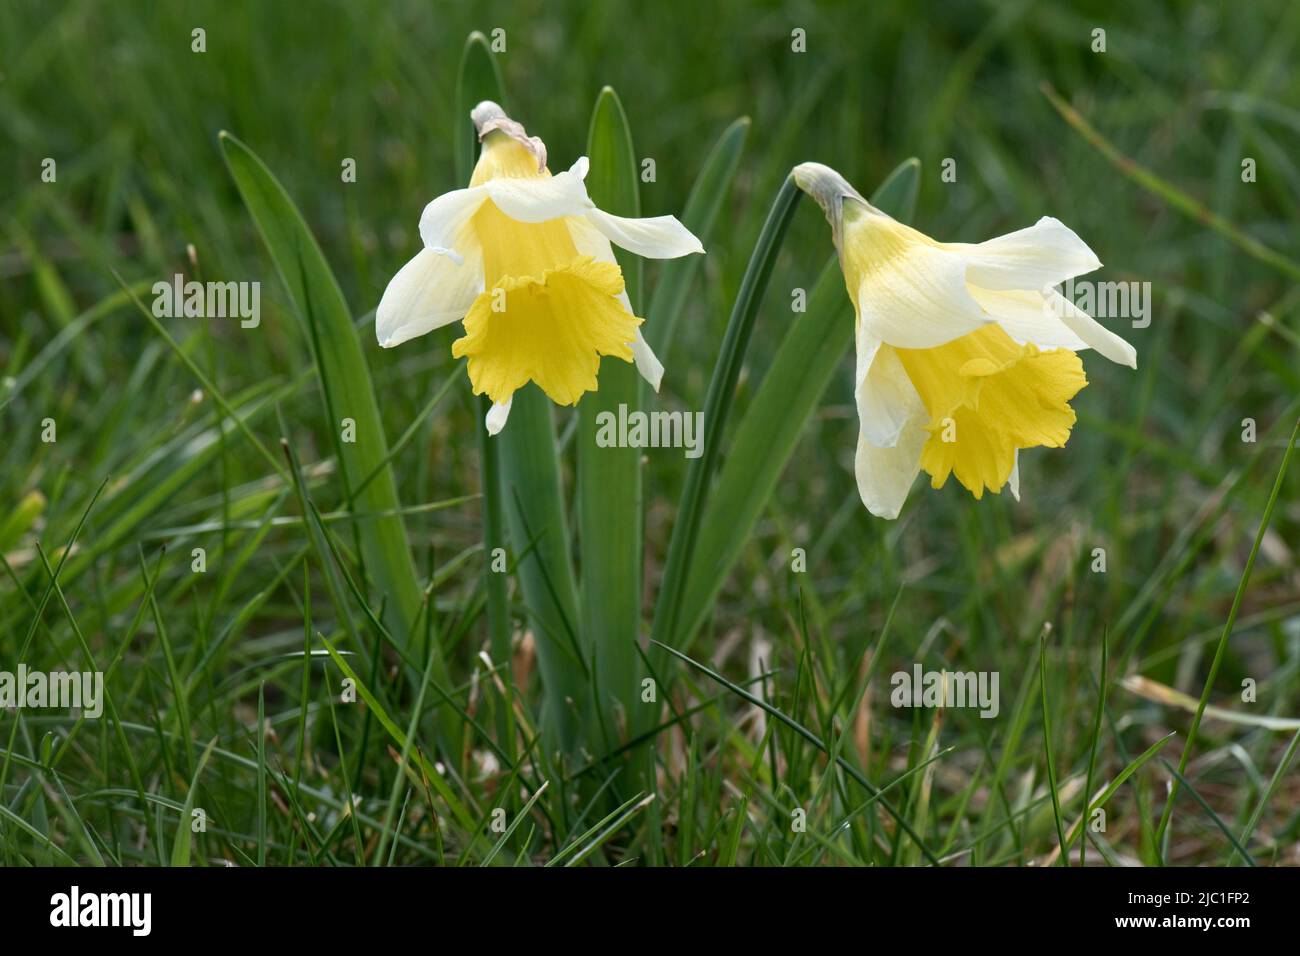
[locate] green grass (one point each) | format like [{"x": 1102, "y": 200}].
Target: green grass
[{"x": 478, "y": 692}]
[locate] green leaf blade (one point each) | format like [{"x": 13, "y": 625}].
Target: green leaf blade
[
  {"x": 609, "y": 478},
  {"x": 348, "y": 392}
]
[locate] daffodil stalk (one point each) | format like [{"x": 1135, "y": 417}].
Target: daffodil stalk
[
  {"x": 966, "y": 353},
  {"x": 479, "y": 79},
  {"x": 524, "y": 260},
  {"x": 782, "y": 403}
]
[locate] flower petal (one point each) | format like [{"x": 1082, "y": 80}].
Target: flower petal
[
  {"x": 647, "y": 363},
  {"x": 590, "y": 241},
  {"x": 544, "y": 198},
  {"x": 661, "y": 237},
  {"x": 886, "y": 399},
  {"x": 910, "y": 292},
  {"x": 885, "y": 475},
  {"x": 539, "y": 200},
  {"x": 430, "y": 291},
  {"x": 443, "y": 222},
  {"x": 891, "y": 428},
  {"x": 1097, "y": 336},
  {"x": 497, "y": 415},
  {"x": 1028, "y": 316},
  {"x": 1051, "y": 321},
  {"x": 1041, "y": 255}
]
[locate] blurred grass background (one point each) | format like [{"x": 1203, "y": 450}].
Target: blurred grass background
[{"x": 1156, "y": 471}]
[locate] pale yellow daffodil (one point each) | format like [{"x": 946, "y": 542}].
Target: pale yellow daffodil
[
  {"x": 965, "y": 352},
  {"x": 524, "y": 259}
]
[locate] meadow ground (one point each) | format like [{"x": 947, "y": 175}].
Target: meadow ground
[{"x": 1135, "y": 567}]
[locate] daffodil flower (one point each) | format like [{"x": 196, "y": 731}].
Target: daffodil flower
[
  {"x": 524, "y": 259},
  {"x": 965, "y": 352}
]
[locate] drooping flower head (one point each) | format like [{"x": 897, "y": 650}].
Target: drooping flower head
[
  {"x": 524, "y": 259},
  {"x": 965, "y": 352}
]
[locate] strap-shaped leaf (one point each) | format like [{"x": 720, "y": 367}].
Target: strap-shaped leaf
[
  {"x": 609, "y": 479},
  {"x": 347, "y": 390}
]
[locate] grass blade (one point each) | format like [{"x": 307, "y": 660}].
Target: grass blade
[
  {"x": 1222, "y": 647},
  {"x": 520, "y": 817},
  {"x": 435, "y": 777},
  {"x": 1282, "y": 767},
  {"x": 1214, "y": 817},
  {"x": 1114, "y": 785},
  {"x": 1096, "y": 725},
  {"x": 816, "y": 741},
  {"x": 181, "y": 846},
  {"x": 1165, "y": 695},
  {"x": 1047, "y": 747}
]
